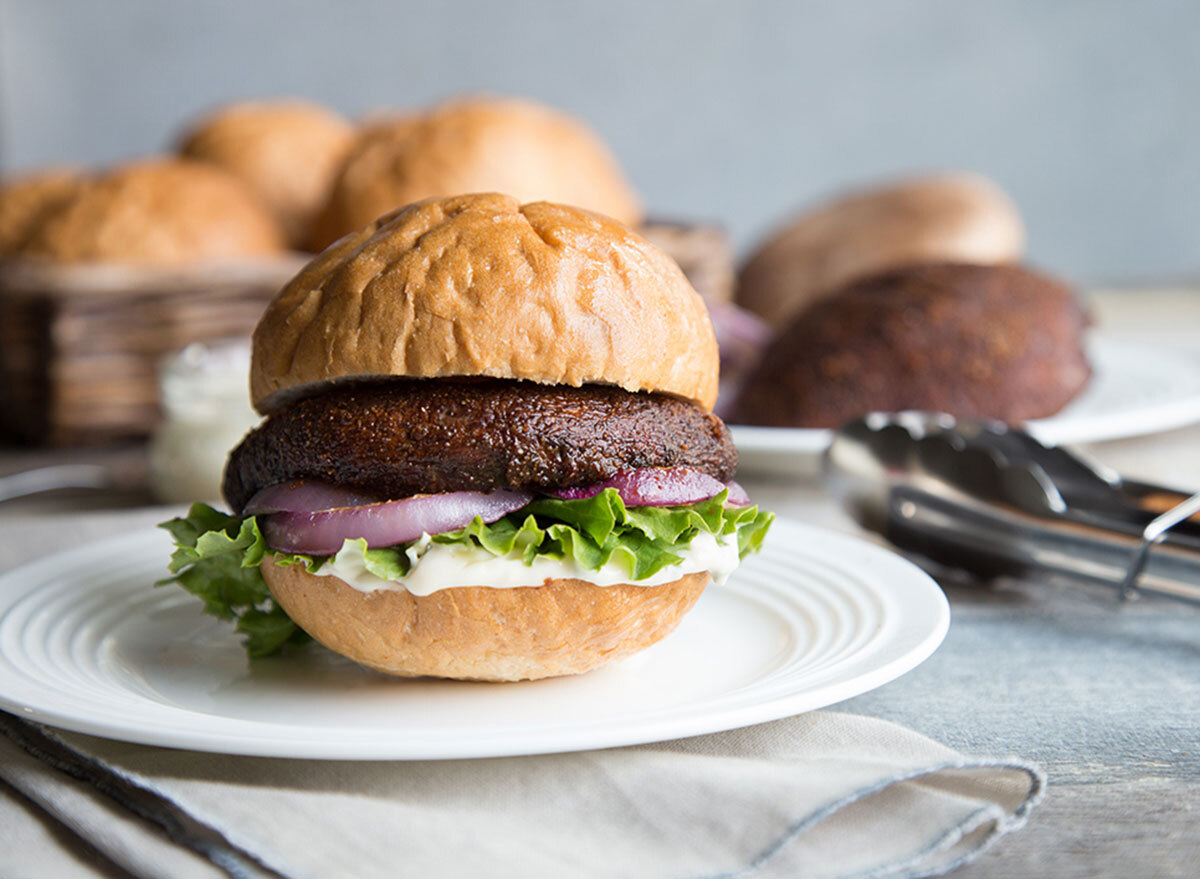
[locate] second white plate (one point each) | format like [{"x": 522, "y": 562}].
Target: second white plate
[
  {"x": 1136, "y": 389},
  {"x": 88, "y": 644}
]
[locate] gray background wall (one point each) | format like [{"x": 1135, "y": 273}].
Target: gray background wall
[{"x": 1087, "y": 112}]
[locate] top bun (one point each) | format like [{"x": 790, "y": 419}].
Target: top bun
[
  {"x": 481, "y": 285},
  {"x": 287, "y": 152},
  {"x": 163, "y": 212},
  {"x": 960, "y": 218},
  {"x": 25, "y": 201},
  {"x": 479, "y": 145}
]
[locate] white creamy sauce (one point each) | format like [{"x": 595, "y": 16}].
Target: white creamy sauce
[{"x": 446, "y": 566}]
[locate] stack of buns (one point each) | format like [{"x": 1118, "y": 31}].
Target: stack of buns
[
  {"x": 315, "y": 177},
  {"x": 244, "y": 188},
  {"x": 250, "y": 182}
]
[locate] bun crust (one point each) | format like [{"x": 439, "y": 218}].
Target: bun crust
[
  {"x": 287, "y": 152},
  {"x": 159, "y": 212},
  {"x": 26, "y": 200},
  {"x": 962, "y": 218},
  {"x": 478, "y": 633},
  {"x": 479, "y": 145},
  {"x": 480, "y": 285}
]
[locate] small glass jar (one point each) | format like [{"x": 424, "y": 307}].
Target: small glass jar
[{"x": 205, "y": 395}]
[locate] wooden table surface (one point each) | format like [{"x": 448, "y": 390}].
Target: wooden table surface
[{"x": 1104, "y": 695}]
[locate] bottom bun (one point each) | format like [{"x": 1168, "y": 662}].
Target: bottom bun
[{"x": 562, "y": 627}]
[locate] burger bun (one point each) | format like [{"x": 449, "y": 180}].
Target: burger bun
[{"x": 562, "y": 627}]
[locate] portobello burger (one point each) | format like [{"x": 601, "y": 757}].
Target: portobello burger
[{"x": 489, "y": 451}]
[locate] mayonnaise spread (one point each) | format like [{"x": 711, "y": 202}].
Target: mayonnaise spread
[{"x": 438, "y": 566}]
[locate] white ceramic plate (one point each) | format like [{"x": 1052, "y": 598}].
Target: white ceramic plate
[
  {"x": 1136, "y": 389},
  {"x": 88, "y": 644}
]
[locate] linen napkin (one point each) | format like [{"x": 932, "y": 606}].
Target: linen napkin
[{"x": 819, "y": 795}]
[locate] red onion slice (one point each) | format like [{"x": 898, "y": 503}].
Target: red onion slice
[
  {"x": 323, "y": 532},
  {"x": 305, "y": 496},
  {"x": 738, "y": 331},
  {"x": 657, "y": 487},
  {"x": 741, "y": 339},
  {"x": 737, "y": 496}
]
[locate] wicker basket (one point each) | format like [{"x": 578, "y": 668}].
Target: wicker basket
[{"x": 80, "y": 346}]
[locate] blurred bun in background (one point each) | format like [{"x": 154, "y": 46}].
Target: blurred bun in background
[
  {"x": 953, "y": 217},
  {"x": 26, "y": 199},
  {"x": 993, "y": 341},
  {"x": 159, "y": 212},
  {"x": 517, "y": 147},
  {"x": 286, "y": 151}
]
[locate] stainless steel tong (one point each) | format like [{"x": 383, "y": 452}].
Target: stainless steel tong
[{"x": 990, "y": 499}]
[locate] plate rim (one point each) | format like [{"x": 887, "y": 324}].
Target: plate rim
[
  {"x": 754, "y": 439},
  {"x": 275, "y": 740}
]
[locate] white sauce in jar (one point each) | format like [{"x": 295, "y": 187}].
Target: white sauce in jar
[{"x": 206, "y": 408}]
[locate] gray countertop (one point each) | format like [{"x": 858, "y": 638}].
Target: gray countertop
[{"x": 1105, "y": 695}]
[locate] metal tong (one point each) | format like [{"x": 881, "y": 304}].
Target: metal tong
[{"x": 992, "y": 500}]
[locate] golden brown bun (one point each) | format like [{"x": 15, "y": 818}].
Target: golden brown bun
[
  {"x": 162, "y": 212},
  {"x": 25, "y": 201},
  {"x": 481, "y": 145},
  {"x": 479, "y": 285},
  {"x": 287, "y": 152},
  {"x": 562, "y": 627},
  {"x": 961, "y": 218}
]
